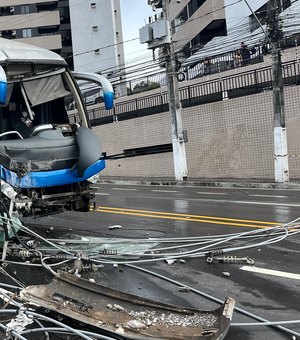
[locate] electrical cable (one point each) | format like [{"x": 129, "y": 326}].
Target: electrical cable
[
  {"x": 9, "y": 299},
  {"x": 45, "y": 318},
  {"x": 18, "y": 282},
  {"x": 9, "y": 286},
  {"x": 271, "y": 232},
  {"x": 212, "y": 243},
  {"x": 266, "y": 323},
  {"x": 15, "y": 334},
  {"x": 63, "y": 330},
  {"x": 42, "y": 326},
  {"x": 194, "y": 18},
  {"x": 274, "y": 234},
  {"x": 43, "y": 239}
]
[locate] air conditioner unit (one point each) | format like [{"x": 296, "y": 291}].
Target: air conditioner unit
[
  {"x": 12, "y": 10},
  {"x": 95, "y": 28},
  {"x": 93, "y": 4}
]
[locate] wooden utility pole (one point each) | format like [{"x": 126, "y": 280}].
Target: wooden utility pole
[{"x": 280, "y": 138}]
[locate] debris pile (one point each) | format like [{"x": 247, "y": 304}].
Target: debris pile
[{"x": 174, "y": 319}]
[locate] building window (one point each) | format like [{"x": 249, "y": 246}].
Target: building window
[
  {"x": 26, "y": 33},
  {"x": 25, "y": 9},
  {"x": 46, "y": 7},
  {"x": 194, "y": 5}
]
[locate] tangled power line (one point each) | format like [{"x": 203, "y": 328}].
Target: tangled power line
[{"x": 77, "y": 255}]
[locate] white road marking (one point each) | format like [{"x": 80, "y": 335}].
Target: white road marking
[
  {"x": 272, "y": 196},
  {"x": 271, "y": 272},
  {"x": 102, "y": 194},
  {"x": 164, "y": 190},
  {"x": 211, "y": 193},
  {"x": 268, "y": 203},
  {"x": 124, "y": 189},
  {"x": 250, "y": 202}
]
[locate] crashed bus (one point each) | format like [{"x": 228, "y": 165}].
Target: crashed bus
[{"x": 46, "y": 158}]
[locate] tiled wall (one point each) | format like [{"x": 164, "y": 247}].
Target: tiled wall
[{"x": 228, "y": 139}]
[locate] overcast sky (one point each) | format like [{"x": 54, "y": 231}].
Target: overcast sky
[{"x": 135, "y": 14}]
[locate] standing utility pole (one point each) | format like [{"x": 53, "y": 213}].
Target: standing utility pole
[
  {"x": 179, "y": 155},
  {"x": 158, "y": 35},
  {"x": 280, "y": 137}
]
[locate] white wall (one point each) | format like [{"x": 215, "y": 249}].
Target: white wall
[{"x": 85, "y": 39}]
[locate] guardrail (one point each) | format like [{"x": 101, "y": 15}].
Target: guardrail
[{"x": 246, "y": 83}]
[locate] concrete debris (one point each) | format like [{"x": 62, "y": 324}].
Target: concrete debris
[
  {"x": 120, "y": 330},
  {"x": 135, "y": 324},
  {"x": 170, "y": 261},
  {"x": 226, "y": 274},
  {"x": 118, "y": 308},
  {"x": 115, "y": 307},
  {"x": 112, "y": 227},
  {"x": 174, "y": 319}
]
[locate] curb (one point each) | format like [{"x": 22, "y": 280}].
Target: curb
[{"x": 203, "y": 183}]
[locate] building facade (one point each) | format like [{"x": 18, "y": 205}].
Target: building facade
[
  {"x": 86, "y": 33},
  {"x": 193, "y": 22}
]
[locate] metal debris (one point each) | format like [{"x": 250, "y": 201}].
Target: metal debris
[
  {"x": 184, "y": 289},
  {"x": 112, "y": 227},
  {"x": 19, "y": 323},
  {"x": 230, "y": 259},
  {"x": 135, "y": 315}
]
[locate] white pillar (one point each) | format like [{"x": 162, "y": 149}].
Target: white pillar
[{"x": 281, "y": 155}]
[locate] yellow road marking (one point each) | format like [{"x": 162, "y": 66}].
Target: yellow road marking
[{"x": 186, "y": 217}]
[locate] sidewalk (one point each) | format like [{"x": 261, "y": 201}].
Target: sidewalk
[{"x": 224, "y": 183}]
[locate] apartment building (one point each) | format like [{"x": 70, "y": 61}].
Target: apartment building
[
  {"x": 85, "y": 33},
  {"x": 194, "y": 22}
]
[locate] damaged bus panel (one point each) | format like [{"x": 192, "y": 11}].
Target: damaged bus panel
[{"x": 47, "y": 156}]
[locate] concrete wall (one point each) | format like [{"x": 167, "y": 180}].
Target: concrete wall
[
  {"x": 5, "y": 3},
  {"x": 228, "y": 139},
  {"x": 13, "y": 22},
  {"x": 52, "y": 42}
]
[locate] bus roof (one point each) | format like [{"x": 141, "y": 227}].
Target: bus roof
[{"x": 15, "y": 52}]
